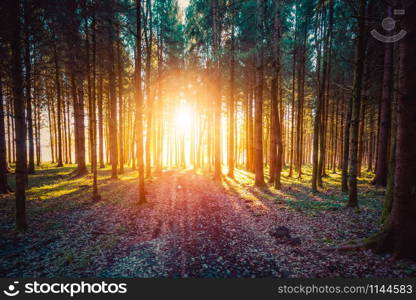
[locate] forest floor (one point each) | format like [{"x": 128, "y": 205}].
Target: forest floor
[{"x": 190, "y": 227}]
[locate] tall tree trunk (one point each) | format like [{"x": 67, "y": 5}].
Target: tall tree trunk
[
  {"x": 317, "y": 128},
  {"x": 258, "y": 114},
  {"x": 121, "y": 105},
  {"x": 149, "y": 97},
  {"x": 28, "y": 85},
  {"x": 80, "y": 127},
  {"x": 59, "y": 113},
  {"x": 160, "y": 144},
  {"x": 9, "y": 140},
  {"x": 385, "y": 121},
  {"x": 139, "y": 104},
  {"x": 301, "y": 100},
  {"x": 112, "y": 102},
  {"x": 93, "y": 114},
  {"x": 50, "y": 130},
  {"x": 346, "y": 146},
  {"x": 217, "y": 110},
  {"x": 356, "y": 103},
  {"x": 231, "y": 126},
  {"x": 388, "y": 201},
  {"x": 100, "y": 120},
  {"x": 19, "y": 113},
  {"x": 4, "y": 187},
  {"x": 276, "y": 148},
  {"x": 292, "y": 105}
]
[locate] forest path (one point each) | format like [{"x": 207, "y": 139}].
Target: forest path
[{"x": 194, "y": 227}]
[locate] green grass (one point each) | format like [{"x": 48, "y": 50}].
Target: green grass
[
  {"x": 296, "y": 192},
  {"x": 51, "y": 187}
]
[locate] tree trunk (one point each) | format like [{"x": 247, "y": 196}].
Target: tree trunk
[
  {"x": 28, "y": 85},
  {"x": 346, "y": 147},
  {"x": 217, "y": 94},
  {"x": 149, "y": 97},
  {"x": 121, "y": 104},
  {"x": 139, "y": 104},
  {"x": 258, "y": 114},
  {"x": 4, "y": 187},
  {"x": 231, "y": 126},
  {"x": 59, "y": 113},
  {"x": 275, "y": 129},
  {"x": 385, "y": 121},
  {"x": 113, "y": 103},
  {"x": 356, "y": 103},
  {"x": 93, "y": 116},
  {"x": 19, "y": 104},
  {"x": 100, "y": 120},
  {"x": 317, "y": 128}
]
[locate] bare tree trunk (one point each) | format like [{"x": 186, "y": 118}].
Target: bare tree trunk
[
  {"x": 231, "y": 126},
  {"x": 275, "y": 130},
  {"x": 112, "y": 102},
  {"x": 346, "y": 147},
  {"x": 149, "y": 98},
  {"x": 139, "y": 104},
  {"x": 217, "y": 110},
  {"x": 9, "y": 140},
  {"x": 356, "y": 103},
  {"x": 28, "y": 85},
  {"x": 93, "y": 116},
  {"x": 385, "y": 122},
  {"x": 317, "y": 128},
  {"x": 80, "y": 127},
  {"x": 4, "y": 187},
  {"x": 18, "y": 97},
  {"x": 121, "y": 104},
  {"x": 59, "y": 113},
  {"x": 258, "y": 114},
  {"x": 100, "y": 120}
]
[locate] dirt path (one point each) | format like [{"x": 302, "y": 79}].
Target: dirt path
[{"x": 197, "y": 230}]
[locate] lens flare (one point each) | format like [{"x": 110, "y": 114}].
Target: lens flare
[{"x": 183, "y": 118}]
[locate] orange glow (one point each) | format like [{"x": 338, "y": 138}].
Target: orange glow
[{"x": 183, "y": 117}]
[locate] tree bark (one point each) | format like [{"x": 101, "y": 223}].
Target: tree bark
[
  {"x": 121, "y": 105},
  {"x": 149, "y": 97},
  {"x": 231, "y": 126},
  {"x": 113, "y": 102},
  {"x": 139, "y": 104},
  {"x": 258, "y": 114},
  {"x": 59, "y": 113},
  {"x": 19, "y": 104},
  {"x": 4, "y": 187},
  {"x": 28, "y": 85},
  {"x": 356, "y": 103},
  {"x": 385, "y": 121}
]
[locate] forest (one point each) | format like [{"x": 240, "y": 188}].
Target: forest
[{"x": 207, "y": 138}]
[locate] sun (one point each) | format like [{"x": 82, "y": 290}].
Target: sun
[{"x": 183, "y": 117}]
